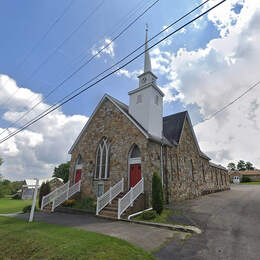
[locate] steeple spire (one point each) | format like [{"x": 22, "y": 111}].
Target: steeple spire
[{"x": 147, "y": 61}]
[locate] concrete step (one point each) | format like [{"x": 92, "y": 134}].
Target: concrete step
[{"x": 108, "y": 214}]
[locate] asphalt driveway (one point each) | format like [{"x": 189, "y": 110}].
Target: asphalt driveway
[
  {"x": 146, "y": 237},
  {"x": 230, "y": 221}
]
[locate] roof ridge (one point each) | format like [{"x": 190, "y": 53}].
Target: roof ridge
[{"x": 176, "y": 114}]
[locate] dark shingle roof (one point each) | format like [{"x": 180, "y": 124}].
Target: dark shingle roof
[{"x": 172, "y": 126}]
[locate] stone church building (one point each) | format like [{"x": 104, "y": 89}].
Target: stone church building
[{"x": 133, "y": 142}]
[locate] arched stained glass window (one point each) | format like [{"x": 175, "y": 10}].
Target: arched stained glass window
[
  {"x": 102, "y": 160},
  {"x": 135, "y": 153}
]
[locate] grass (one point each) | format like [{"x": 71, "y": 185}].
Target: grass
[
  {"x": 251, "y": 183},
  {"x": 8, "y": 205},
  {"x": 159, "y": 218},
  {"x": 22, "y": 240}
]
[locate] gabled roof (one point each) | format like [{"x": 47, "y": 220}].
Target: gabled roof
[
  {"x": 121, "y": 106},
  {"x": 33, "y": 181},
  {"x": 218, "y": 166},
  {"x": 172, "y": 126}
]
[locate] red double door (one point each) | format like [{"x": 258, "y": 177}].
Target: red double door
[
  {"x": 78, "y": 176},
  {"x": 135, "y": 174}
]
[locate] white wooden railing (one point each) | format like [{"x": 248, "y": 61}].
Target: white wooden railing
[
  {"x": 108, "y": 196},
  {"x": 130, "y": 197},
  {"x": 60, "y": 194},
  {"x": 65, "y": 195},
  {"x": 49, "y": 197}
]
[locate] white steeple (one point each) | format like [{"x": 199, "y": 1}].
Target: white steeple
[
  {"x": 146, "y": 102},
  {"x": 147, "y": 61}
]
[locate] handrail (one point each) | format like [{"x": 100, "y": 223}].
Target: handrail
[
  {"x": 65, "y": 195},
  {"x": 130, "y": 197},
  {"x": 54, "y": 193},
  {"x": 108, "y": 196}
]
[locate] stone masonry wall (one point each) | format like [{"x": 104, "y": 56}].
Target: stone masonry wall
[
  {"x": 187, "y": 174},
  {"x": 184, "y": 177},
  {"x": 110, "y": 122}
]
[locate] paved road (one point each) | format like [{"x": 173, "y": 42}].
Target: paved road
[
  {"x": 146, "y": 237},
  {"x": 231, "y": 224}
]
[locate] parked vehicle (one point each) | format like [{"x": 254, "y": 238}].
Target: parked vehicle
[{"x": 236, "y": 180}]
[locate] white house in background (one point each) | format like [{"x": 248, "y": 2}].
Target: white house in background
[{"x": 27, "y": 193}]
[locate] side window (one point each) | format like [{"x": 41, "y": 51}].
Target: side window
[
  {"x": 191, "y": 170},
  {"x": 139, "y": 99},
  {"x": 156, "y": 100},
  {"x": 100, "y": 189},
  {"x": 102, "y": 160}
]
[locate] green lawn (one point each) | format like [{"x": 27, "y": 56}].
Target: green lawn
[
  {"x": 159, "y": 218},
  {"x": 22, "y": 240},
  {"x": 12, "y": 206},
  {"x": 251, "y": 183}
]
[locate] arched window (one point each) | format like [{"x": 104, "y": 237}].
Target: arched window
[
  {"x": 102, "y": 160},
  {"x": 78, "y": 169},
  {"x": 135, "y": 153},
  {"x": 203, "y": 172},
  {"x": 191, "y": 170}
]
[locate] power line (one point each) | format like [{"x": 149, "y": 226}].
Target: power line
[
  {"x": 82, "y": 66},
  {"x": 109, "y": 74},
  {"x": 229, "y": 104},
  {"x": 118, "y": 25},
  {"x": 65, "y": 40},
  {"x": 37, "y": 45}
]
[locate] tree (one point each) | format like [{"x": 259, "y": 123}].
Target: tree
[
  {"x": 44, "y": 190},
  {"x": 249, "y": 166},
  {"x": 157, "y": 193},
  {"x": 241, "y": 165},
  {"x": 1, "y": 161},
  {"x": 231, "y": 166},
  {"x": 62, "y": 171}
]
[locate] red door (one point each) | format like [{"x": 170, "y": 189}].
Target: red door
[
  {"x": 135, "y": 174},
  {"x": 78, "y": 176}
]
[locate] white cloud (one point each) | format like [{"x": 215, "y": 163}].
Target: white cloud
[
  {"x": 38, "y": 149},
  {"x": 129, "y": 74},
  {"x": 106, "y": 47},
  {"x": 211, "y": 77}
]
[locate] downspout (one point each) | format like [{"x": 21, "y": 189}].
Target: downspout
[{"x": 161, "y": 163}]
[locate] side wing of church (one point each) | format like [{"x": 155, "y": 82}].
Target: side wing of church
[{"x": 132, "y": 142}]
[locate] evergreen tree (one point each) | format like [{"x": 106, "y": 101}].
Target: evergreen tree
[
  {"x": 231, "y": 166},
  {"x": 157, "y": 193},
  {"x": 44, "y": 190},
  {"x": 241, "y": 165}
]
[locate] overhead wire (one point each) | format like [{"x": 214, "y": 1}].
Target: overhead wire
[
  {"x": 82, "y": 66},
  {"x": 229, "y": 104},
  {"x": 108, "y": 75},
  {"x": 20, "y": 65}
]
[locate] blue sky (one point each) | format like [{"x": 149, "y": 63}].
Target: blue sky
[
  {"x": 196, "y": 68},
  {"x": 33, "y": 19}
]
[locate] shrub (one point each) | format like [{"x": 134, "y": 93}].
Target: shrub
[
  {"x": 16, "y": 197},
  {"x": 85, "y": 203},
  {"x": 44, "y": 190},
  {"x": 245, "y": 179},
  {"x": 148, "y": 215},
  {"x": 27, "y": 209},
  {"x": 157, "y": 193},
  {"x": 68, "y": 203}
]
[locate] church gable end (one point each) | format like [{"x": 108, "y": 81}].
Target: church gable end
[{"x": 107, "y": 123}]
